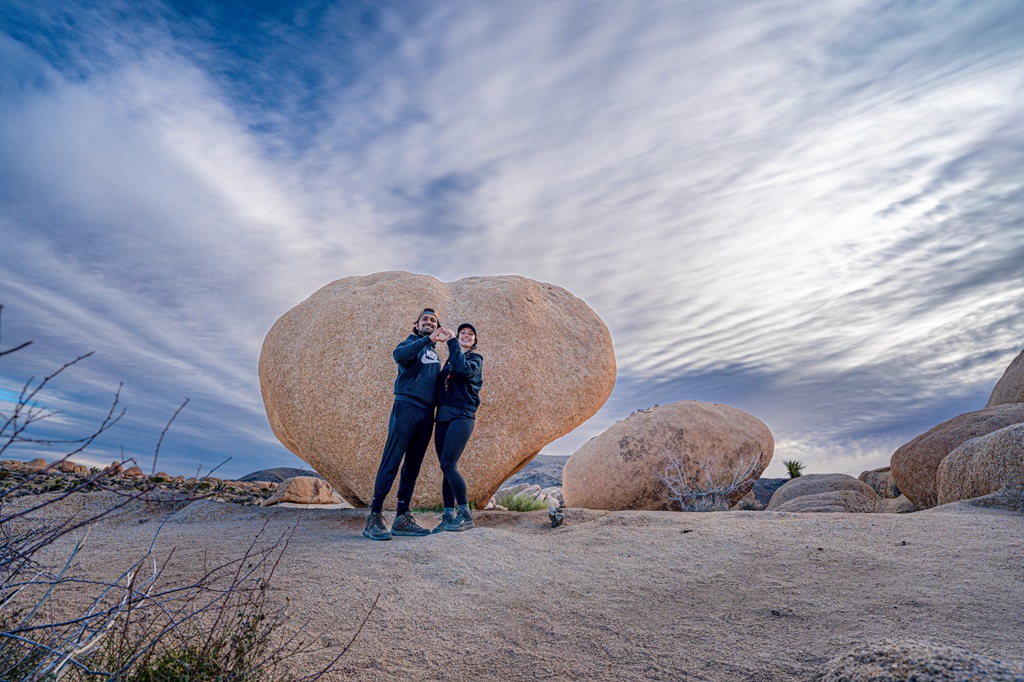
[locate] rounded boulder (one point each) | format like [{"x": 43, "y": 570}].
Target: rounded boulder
[
  {"x": 1010, "y": 387},
  {"x": 817, "y": 484},
  {"x": 983, "y": 465},
  {"x": 625, "y": 467},
  {"x": 837, "y": 501},
  {"x": 302, "y": 490},
  {"x": 915, "y": 464},
  {"x": 327, "y": 374}
]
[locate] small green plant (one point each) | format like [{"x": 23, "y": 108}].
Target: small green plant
[
  {"x": 522, "y": 502},
  {"x": 793, "y": 467}
]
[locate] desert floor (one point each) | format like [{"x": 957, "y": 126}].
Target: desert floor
[{"x": 614, "y": 595}]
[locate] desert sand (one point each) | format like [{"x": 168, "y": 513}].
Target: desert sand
[{"x": 613, "y": 595}]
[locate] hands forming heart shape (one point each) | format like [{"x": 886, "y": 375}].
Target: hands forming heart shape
[{"x": 442, "y": 334}]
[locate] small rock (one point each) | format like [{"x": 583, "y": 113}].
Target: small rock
[
  {"x": 882, "y": 481},
  {"x": 918, "y": 661}
]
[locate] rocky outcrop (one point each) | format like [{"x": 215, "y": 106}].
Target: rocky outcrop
[
  {"x": 1011, "y": 497},
  {"x": 622, "y": 468},
  {"x": 302, "y": 490},
  {"x": 888, "y": 661},
  {"x": 983, "y": 465},
  {"x": 133, "y": 472},
  {"x": 327, "y": 374},
  {"x": 837, "y": 501},
  {"x": 1010, "y": 387},
  {"x": 915, "y": 464},
  {"x": 881, "y": 481},
  {"x": 816, "y": 484}
]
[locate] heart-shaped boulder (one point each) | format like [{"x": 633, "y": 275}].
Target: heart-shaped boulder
[{"x": 327, "y": 374}]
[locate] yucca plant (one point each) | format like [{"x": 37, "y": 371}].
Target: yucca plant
[{"x": 793, "y": 467}]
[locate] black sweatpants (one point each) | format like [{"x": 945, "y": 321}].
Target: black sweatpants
[
  {"x": 408, "y": 437},
  {"x": 450, "y": 438}
]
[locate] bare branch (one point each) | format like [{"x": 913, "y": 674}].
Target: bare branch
[{"x": 706, "y": 491}]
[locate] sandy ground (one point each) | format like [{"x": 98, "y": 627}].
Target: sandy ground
[{"x": 618, "y": 595}]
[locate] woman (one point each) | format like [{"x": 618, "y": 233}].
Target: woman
[{"x": 458, "y": 397}]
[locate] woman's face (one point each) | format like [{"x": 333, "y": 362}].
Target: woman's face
[{"x": 467, "y": 338}]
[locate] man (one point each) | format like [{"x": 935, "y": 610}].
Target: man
[{"x": 410, "y": 427}]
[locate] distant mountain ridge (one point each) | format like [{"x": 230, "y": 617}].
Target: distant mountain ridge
[{"x": 542, "y": 470}]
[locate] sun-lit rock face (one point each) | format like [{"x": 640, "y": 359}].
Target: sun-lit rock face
[
  {"x": 327, "y": 374},
  {"x": 983, "y": 465},
  {"x": 622, "y": 467},
  {"x": 915, "y": 464},
  {"x": 1010, "y": 387}
]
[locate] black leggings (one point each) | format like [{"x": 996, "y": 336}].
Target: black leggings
[
  {"x": 450, "y": 438},
  {"x": 408, "y": 438}
]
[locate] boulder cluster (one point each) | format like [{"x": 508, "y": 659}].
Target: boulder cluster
[
  {"x": 326, "y": 376},
  {"x": 872, "y": 492},
  {"x": 513, "y": 496},
  {"x": 39, "y": 476},
  {"x": 970, "y": 455}
]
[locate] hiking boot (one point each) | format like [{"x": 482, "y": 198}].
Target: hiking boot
[
  {"x": 375, "y": 528},
  {"x": 446, "y": 517},
  {"x": 405, "y": 524},
  {"x": 462, "y": 521}
]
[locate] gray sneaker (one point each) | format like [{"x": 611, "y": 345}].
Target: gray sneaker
[
  {"x": 405, "y": 524},
  {"x": 445, "y": 518},
  {"x": 375, "y": 528},
  {"x": 462, "y": 521}
]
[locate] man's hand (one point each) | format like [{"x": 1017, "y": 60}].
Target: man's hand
[{"x": 441, "y": 334}]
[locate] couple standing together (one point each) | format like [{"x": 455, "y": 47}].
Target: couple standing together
[{"x": 422, "y": 385}]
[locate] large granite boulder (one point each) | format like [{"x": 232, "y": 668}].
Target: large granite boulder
[
  {"x": 887, "y": 661},
  {"x": 1010, "y": 387},
  {"x": 327, "y": 374},
  {"x": 816, "y": 484},
  {"x": 983, "y": 465},
  {"x": 623, "y": 467},
  {"x": 915, "y": 464},
  {"x": 881, "y": 481}
]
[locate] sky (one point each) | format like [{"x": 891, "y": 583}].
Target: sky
[{"x": 813, "y": 212}]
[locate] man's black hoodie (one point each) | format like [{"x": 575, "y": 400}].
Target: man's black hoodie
[
  {"x": 418, "y": 367},
  {"x": 458, "y": 386}
]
